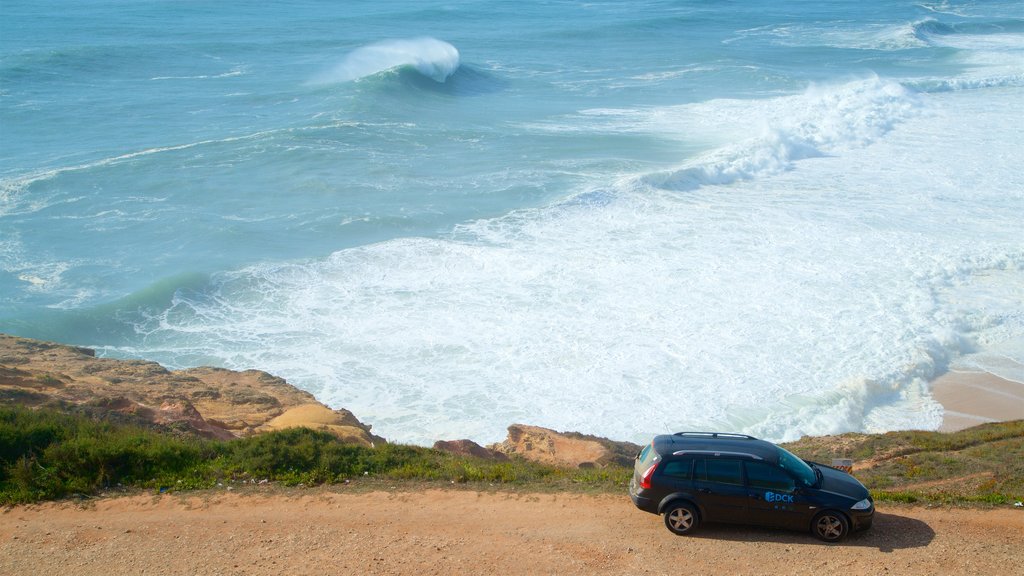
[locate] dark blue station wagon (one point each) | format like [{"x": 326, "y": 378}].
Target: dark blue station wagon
[{"x": 696, "y": 477}]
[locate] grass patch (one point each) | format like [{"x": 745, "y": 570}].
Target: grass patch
[
  {"x": 45, "y": 454},
  {"x": 863, "y": 447},
  {"x": 980, "y": 465}
]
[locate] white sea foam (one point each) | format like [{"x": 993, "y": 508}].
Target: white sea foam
[
  {"x": 809, "y": 300},
  {"x": 433, "y": 58},
  {"x": 943, "y": 8},
  {"x": 855, "y": 36},
  {"x": 820, "y": 122}
]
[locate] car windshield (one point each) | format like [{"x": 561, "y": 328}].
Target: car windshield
[{"x": 797, "y": 467}]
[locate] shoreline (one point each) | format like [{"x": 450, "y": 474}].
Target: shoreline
[{"x": 970, "y": 398}]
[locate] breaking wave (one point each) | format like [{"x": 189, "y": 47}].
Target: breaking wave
[
  {"x": 430, "y": 57},
  {"x": 853, "y": 115}
]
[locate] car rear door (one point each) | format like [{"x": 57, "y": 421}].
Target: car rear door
[{"x": 720, "y": 489}]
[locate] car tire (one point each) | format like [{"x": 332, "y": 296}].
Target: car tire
[
  {"x": 681, "y": 518},
  {"x": 830, "y": 526}
]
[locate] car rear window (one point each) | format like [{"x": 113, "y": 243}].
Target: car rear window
[{"x": 646, "y": 457}]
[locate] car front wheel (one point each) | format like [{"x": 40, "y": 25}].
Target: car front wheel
[
  {"x": 830, "y": 526},
  {"x": 681, "y": 518}
]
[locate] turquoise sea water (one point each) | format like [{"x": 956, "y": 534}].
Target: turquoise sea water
[{"x": 620, "y": 218}]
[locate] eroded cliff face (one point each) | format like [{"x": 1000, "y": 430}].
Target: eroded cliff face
[
  {"x": 565, "y": 448},
  {"x": 212, "y": 402}
]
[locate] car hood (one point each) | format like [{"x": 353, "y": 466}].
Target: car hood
[{"x": 841, "y": 484}]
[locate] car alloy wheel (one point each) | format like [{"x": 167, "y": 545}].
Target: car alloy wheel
[
  {"x": 830, "y": 526},
  {"x": 681, "y": 518}
]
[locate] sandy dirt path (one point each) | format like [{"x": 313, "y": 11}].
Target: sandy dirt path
[{"x": 325, "y": 531}]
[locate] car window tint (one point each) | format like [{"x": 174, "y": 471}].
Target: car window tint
[
  {"x": 678, "y": 469},
  {"x": 700, "y": 470},
  {"x": 764, "y": 475},
  {"x": 724, "y": 471}
]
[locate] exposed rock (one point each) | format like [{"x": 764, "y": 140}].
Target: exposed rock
[
  {"x": 341, "y": 423},
  {"x": 565, "y": 448},
  {"x": 468, "y": 448},
  {"x": 212, "y": 402},
  {"x": 179, "y": 411}
]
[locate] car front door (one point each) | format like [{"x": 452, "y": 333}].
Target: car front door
[
  {"x": 773, "y": 499},
  {"x": 720, "y": 489}
]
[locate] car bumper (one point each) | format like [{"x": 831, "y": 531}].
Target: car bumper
[
  {"x": 861, "y": 519},
  {"x": 645, "y": 504}
]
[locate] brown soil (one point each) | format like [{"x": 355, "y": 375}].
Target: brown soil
[{"x": 342, "y": 531}]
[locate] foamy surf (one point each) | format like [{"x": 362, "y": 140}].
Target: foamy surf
[
  {"x": 764, "y": 309},
  {"x": 822, "y": 121}
]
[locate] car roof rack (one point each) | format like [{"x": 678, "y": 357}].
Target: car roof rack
[
  {"x": 715, "y": 435},
  {"x": 717, "y": 453}
]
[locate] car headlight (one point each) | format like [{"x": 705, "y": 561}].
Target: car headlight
[{"x": 862, "y": 505}]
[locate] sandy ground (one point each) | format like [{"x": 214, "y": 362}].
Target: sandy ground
[
  {"x": 331, "y": 531},
  {"x": 972, "y": 398}
]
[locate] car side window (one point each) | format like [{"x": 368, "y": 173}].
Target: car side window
[
  {"x": 699, "y": 470},
  {"x": 678, "y": 469},
  {"x": 723, "y": 471},
  {"x": 767, "y": 476}
]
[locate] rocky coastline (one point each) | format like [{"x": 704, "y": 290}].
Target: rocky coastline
[{"x": 224, "y": 404}]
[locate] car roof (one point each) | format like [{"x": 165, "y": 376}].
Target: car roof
[{"x": 717, "y": 443}]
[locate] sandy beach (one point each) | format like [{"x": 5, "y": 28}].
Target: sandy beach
[
  {"x": 972, "y": 398},
  {"x": 323, "y": 531}
]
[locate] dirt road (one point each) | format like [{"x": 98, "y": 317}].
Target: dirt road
[{"x": 325, "y": 531}]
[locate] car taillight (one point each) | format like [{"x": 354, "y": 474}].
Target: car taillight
[{"x": 645, "y": 479}]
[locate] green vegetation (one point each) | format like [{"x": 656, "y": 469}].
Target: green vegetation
[
  {"x": 46, "y": 455},
  {"x": 980, "y": 465}
]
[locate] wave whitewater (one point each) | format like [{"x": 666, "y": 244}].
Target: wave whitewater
[
  {"x": 431, "y": 57},
  {"x": 853, "y": 115}
]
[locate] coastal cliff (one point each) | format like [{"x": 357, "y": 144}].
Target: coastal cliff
[
  {"x": 224, "y": 404},
  {"x": 211, "y": 402}
]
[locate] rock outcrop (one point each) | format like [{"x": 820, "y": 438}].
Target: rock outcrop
[
  {"x": 212, "y": 402},
  {"x": 468, "y": 448},
  {"x": 341, "y": 423},
  {"x": 565, "y": 448}
]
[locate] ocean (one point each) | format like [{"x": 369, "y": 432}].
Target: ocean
[{"x": 619, "y": 218}]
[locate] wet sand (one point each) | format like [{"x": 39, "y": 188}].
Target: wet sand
[{"x": 972, "y": 398}]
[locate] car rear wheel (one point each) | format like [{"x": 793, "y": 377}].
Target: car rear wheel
[
  {"x": 830, "y": 526},
  {"x": 681, "y": 518}
]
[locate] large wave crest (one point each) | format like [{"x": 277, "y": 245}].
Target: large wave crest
[{"x": 431, "y": 57}]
